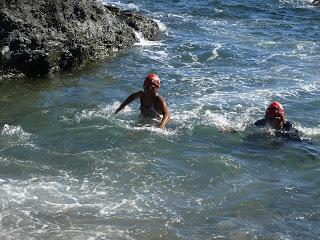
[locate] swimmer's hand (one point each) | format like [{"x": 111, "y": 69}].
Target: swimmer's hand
[
  {"x": 118, "y": 109},
  {"x": 227, "y": 130}
]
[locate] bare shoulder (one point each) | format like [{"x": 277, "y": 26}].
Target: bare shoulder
[
  {"x": 160, "y": 99},
  {"x": 138, "y": 94}
]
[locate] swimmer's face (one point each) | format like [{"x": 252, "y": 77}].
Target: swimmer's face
[
  {"x": 150, "y": 89},
  {"x": 275, "y": 122}
]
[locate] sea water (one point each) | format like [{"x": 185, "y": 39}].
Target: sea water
[{"x": 72, "y": 169}]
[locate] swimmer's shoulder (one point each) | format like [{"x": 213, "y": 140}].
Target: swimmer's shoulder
[{"x": 260, "y": 123}]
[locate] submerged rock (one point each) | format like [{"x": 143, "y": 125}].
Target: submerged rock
[{"x": 40, "y": 36}]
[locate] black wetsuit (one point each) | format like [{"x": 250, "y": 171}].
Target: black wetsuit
[{"x": 286, "y": 132}]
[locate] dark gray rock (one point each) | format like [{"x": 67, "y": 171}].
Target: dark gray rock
[{"x": 40, "y": 36}]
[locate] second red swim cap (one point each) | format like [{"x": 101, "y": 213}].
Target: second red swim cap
[
  {"x": 152, "y": 80},
  {"x": 275, "y": 109}
]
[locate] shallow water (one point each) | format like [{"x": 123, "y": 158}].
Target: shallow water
[{"x": 71, "y": 169}]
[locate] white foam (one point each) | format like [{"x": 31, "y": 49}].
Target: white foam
[
  {"x": 16, "y": 135},
  {"x": 129, "y": 206},
  {"x": 194, "y": 58},
  {"x": 10, "y": 130},
  {"x": 214, "y": 52},
  {"x": 180, "y": 18},
  {"x": 162, "y": 26},
  {"x": 186, "y": 118},
  {"x": 2, "y": 180},
  {"x": 298, "y": 3},
  {"x": 108, "y": 111},
  {"x": 153, "y": 129},
  {"x": 143, "y": 41},
  {"x": 229, "y": 114},
  {"x": 309, "y": 131},
  {"x": 310, "y": 87},
  {"x": 161, "y": 55},
  {"x": 101, "y": 111},
  {"x": 14, "y": 193},
  {"x": 223, "y": 123},
  {"x": 267, "y": 44},
  {"x": 225, "y": 117},
  {"x": 125, "y": 6}
]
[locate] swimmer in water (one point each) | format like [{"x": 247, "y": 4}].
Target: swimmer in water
[
  {"x": 275, "y": 119},
  {"x": 151, "y": 104}
]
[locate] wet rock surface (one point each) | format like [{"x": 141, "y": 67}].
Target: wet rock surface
[{"x": 41, "y": 36}]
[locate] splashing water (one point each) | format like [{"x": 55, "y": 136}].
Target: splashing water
[{"x": 72, "y": 169}]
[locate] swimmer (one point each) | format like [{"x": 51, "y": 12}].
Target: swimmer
[
  {"x": 275, "y": 119},
  {"x": 151, "y": 104}
]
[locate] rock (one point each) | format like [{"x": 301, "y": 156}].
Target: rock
[{"x": 41, "y": 36}]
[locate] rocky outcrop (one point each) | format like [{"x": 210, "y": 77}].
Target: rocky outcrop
[{"x": 40, "y": 36}]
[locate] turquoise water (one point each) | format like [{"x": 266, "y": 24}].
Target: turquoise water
[{"x": 71, "y": 169}]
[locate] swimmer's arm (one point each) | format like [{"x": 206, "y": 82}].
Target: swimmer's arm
[
  {"x": 129, "y": 100},
  {"x": 227, "y": 130},
  {"x": 165, "y": 113}
]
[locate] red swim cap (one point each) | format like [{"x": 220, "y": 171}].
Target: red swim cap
[
  {"x": 275, "y": 109},
  {"x": 152, "y": 80}
]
